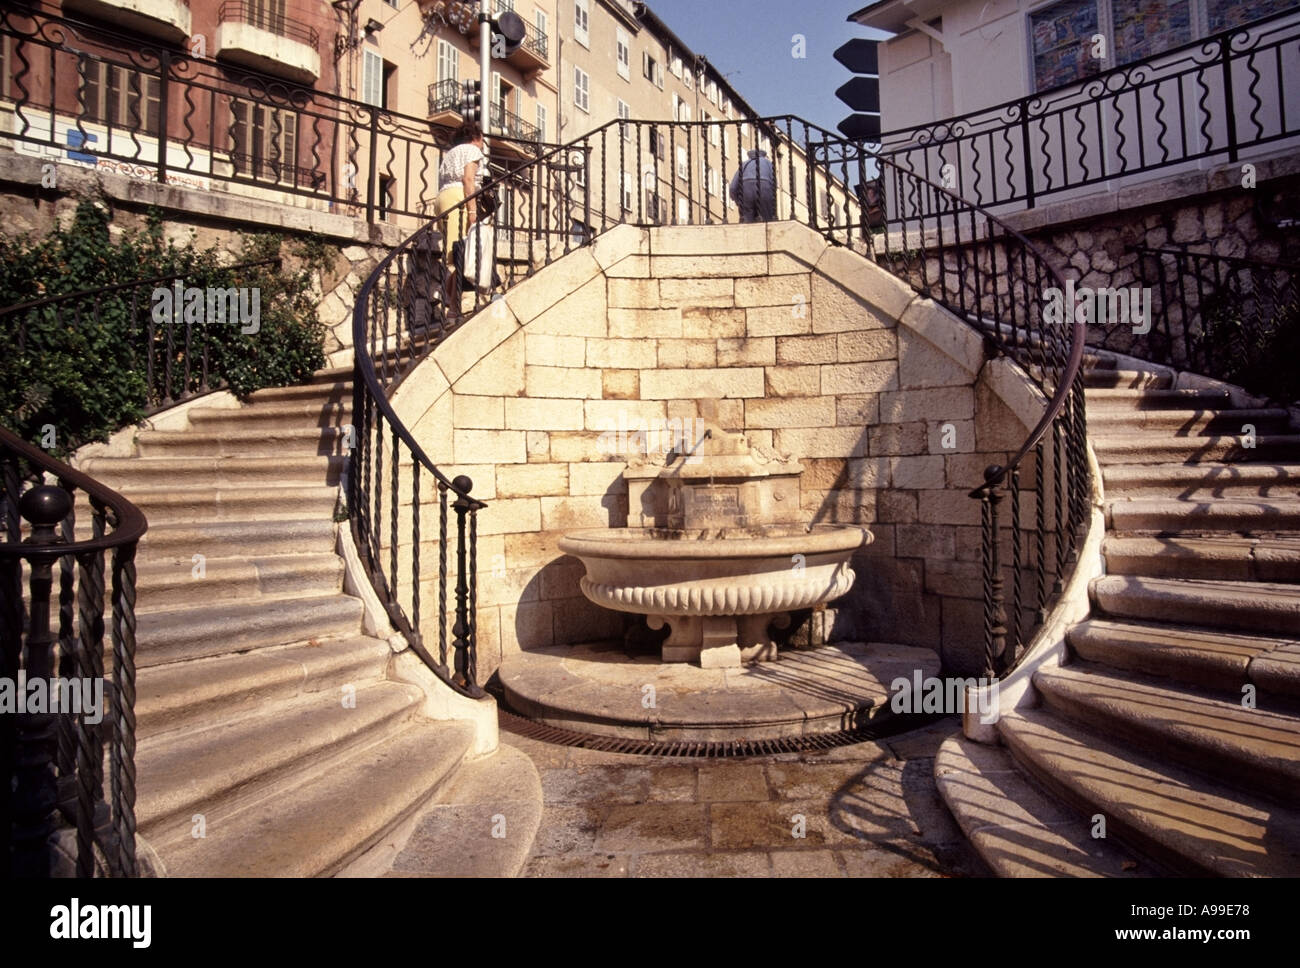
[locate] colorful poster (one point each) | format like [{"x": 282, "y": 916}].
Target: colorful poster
[{"x": 1062, "y": 38}]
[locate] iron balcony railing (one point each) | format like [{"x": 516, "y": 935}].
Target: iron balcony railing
[
  {"x": 1223, "y": 96},
  {"x": 59, "y": 815},
  {"x": 176, "y": 359},
  {"x": 360, "y": 160},
  {"x": 535, "y": 41},
  {"x": 952, "y": 251},
  {"x": 511, "y": 125},
  {"x": 446, "y": 95},
  {"x": 1232, "y": 319},
  {"x": 265, "y": 16}
]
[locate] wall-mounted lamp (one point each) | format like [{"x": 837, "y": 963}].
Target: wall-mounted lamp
[{"x": 373, "y": 27}]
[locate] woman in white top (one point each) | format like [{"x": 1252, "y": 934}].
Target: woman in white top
[{"x": 460, "y": 175}]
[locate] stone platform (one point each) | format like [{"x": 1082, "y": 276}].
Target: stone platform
[{"x": 603, "y": 689}]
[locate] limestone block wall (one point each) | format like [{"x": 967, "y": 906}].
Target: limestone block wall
[{"x": 807, "y": 348}]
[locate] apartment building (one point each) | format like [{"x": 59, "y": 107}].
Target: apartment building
[
  {"x": 257, "y": 97},
  {"x": 272, "y": 99},
  {"x": 936, "y": 64},
  {"x": 617, "y": 59},
  {"x": 101, "y": 96}
]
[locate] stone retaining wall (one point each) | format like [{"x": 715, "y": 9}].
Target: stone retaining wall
[{"x": 809, "y": 349}]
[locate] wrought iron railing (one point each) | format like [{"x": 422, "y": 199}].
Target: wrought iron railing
[
  {"x": 947, "y": 249},
  {"x": 535, "y": 40},
  {"x": 179, "y": 118},
  {"x": 511, "y": 125},
  {"x": 1224, "y": 96},
  {"x": 174, "y": 356},
  {"x": 1228, "y": 318},
  {"x": 55, "y": 818},
  {"x": 446, "y": 95},
  {"x": 263, "y": 16}
]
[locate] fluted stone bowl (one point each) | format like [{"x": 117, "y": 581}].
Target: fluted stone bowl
[{"x": 752, "y": 577}]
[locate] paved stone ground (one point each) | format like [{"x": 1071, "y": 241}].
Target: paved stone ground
[{"x": 870, "y": 810}]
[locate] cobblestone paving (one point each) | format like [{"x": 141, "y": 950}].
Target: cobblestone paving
[{"x": 869, "y": 810}]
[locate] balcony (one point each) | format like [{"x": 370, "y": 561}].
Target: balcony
[
  {"x": 510, "y": 125},
  {"x": 166, "y": 20},
  {"x": 522, "y": 135},
  {"x": 445, "y": 99},
  {"x": 532, "y": 57},
  {"x": 266, "y": 42}
]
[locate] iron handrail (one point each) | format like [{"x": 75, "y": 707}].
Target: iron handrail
[
  {"x": 131, "y": 523},
  {"x": 53, "y": 761},
  {"x": 371, "y": 411},
  {"x": 1006, "y": 127},
  {"x": 575, "y": 176}
]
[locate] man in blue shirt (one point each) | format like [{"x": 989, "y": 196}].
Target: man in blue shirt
[{"x": 753, "y": 188}]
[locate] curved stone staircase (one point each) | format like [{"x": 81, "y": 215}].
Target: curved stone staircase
[
  {"x": 1174, "y": 727},
  {"x": 267, "y": 719}
]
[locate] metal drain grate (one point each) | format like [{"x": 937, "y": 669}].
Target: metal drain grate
[{"x": 528, "y": 729}]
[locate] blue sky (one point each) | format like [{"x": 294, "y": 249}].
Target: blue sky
[{"x": 750, "y": 42}]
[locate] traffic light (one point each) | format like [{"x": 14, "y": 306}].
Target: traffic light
[
  {"x": 508, "y": 33},
  {"x": 471, "y": 107}
]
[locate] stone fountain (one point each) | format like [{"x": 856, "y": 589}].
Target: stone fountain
[{"x": 718, "y": 551}]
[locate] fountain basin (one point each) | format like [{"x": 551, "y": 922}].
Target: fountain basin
[{"x": 719, "y": 590}]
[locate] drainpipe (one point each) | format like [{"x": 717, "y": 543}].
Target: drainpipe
[{"x": 485, "y": 62}]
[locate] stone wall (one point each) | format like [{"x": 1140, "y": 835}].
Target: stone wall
[
  {"x": 1092, "y": 243},
  {"x": 809, "y": 349}
]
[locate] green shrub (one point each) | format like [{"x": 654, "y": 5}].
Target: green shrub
[
  {"x": 1253, "y": 353},
  {"x": 82, "y": 366}
]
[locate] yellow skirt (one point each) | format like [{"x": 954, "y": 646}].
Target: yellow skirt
[{"x": 453, "y": 228}]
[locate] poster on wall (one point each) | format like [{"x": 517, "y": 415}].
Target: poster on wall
[
  {"x": 1147, "y": 27},
  {"x": 1062, "y": 36},
  {"x": 1226, "y": 14}
]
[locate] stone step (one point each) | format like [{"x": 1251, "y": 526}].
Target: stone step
[
  {"x": 200, "y": 770},
  {"x": 225, "y": 687},
  {"x": 1097, "y": 361},
  {"x": 452, "y": 836},
  {"x": 1104, "y": 400},
  {"x": 1190, "y": 422},
  {"x": 1258, "y": 607},
  {"x": 1224, "y": 661},
  {"x": 264, "y": 418},
  {"x": 239, "y": 442},
  {"x": 1133, "y": 379},
  {"x": 1162, "y": 449},
  {"x": 1017, "y": 828},
  {"x": 167, "y": 585},
  {"x": 1223, "y": 557},
  {"x": 1200, "y": 482},
  {"x": 331, "y": 376},
  {"x": 317, "y": 827},
  {"x": 179, "y": 542},
  {"x": 1182, "y": 819},
  {"x": 170, "y": 505},
  {"x": 1216, "y": 514},
  {"x": 338, "y": 391},
  {"x": 180, "y": 634},
  {"x": 1247, "y": 747},
  {"x": 121, "y": 472}
]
